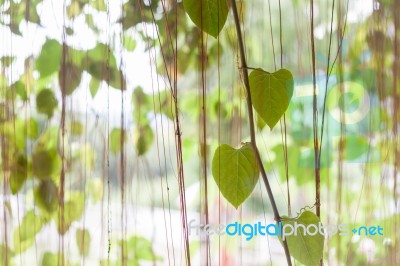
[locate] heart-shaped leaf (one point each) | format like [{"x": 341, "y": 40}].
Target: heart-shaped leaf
[
  {"x": 235, "y": 171},
  {"x": 209, "y": 15},
  {"x": 306, "y": 247},
  {"x": 271, "y": 93}
]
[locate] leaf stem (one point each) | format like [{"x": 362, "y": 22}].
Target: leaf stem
[{"x": 244, "y": 69}]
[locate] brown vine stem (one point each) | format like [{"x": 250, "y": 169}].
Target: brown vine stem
[{"x": 251, "y": 123}]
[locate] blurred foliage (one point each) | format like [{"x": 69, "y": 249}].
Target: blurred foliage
[{"x": 31, "y": 142}]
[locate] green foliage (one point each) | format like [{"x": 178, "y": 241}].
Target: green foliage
[
  {"x": 46, "y": 102},
  {"x": 83, "y": 241},
  {"x": 235, "y": 171},
  {"x": 209, "y": 15},
  {"x": 305, "y": 248},
  {"x": 271, "y": 93}
]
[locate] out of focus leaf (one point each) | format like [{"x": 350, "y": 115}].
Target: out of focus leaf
[
  {"x": 42, "y": 164},
  {"x": 76, "y": 128},
  {"x": 52, "y": 259},
  {"x": 94, "y": 86},
  {"x": 46, "y": 102},
  {"x": 115, "y": 139},
  {"x": 143, "y": 138},
  {"x": 19, "y": 173},
  {"x": 46, "y": 196},
  {"x": 73, "y": 210},
  {"x": 24, "y": 235},
  {"x": 83, "y": 241},
  {"x": 70, "y": 78},
  {"x": 129, "y": 43},
  {"x": 95, "y": 189},
  {"x": 49, "y": 58}
]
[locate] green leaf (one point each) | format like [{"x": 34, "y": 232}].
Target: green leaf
[
  {"x": 142, "y": 104},
  {"x": 94, "y": 86},
  {"x": 235, "y": 171},
  {"x": 42, "y": 164},
  {"x": 129, "y": 43},
  {"x": 19, "y": 173},
  {"x": 25, "y": 234},
  {"x": 76, "y": 128},
  {"x": 83, "y": 241},
  {"x": 209, "y": 15},
  {"x": 49, "y": 59},
  {"x": 305, "y": 248},
  {"x": 143, "y": 139},
  {"x": 95, "y": 189},
  {"x": 72, "y": 75},
  {"x": 115, "y": 139},
  {"x": 46, "y": 196},
  {"x": 271, "y": 93},
  {"x": 73, "y": 210},
  {"x": 46, "y": 102},
  {"x": 165, "y": 104},
  {"x": 98, "y": 4}
]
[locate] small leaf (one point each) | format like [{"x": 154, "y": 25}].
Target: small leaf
[
  {"x": 19, "y": 173},
  {"x": 49, "y": 59},
  {"x": 235, "y": 171},
  {"x": 271, "y": 93},
  {"x": 73, "y": 210},
  {"x": 83, "y": 241},
  {"x": 76, "y": 128},
  {"x": 25, "y": 234},
  {"x": 46, "y": 102},
  {"x": 115, "y": 139},
  {"x": 209, "y": 15},
  {"x": 95, "y": 189},
  {"x": 94, "y": 86},
  {"x": 129, "y": 43},
  {"x": 143, "y": 139},
  {"x": 305, "y": 248},
  {"x": 70, "y": 77},
  {"x": 42, "y": 164},
  {"x": 46, "y": 196}
]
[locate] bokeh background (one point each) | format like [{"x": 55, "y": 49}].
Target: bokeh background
[{"x": 101, "y": 175}]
